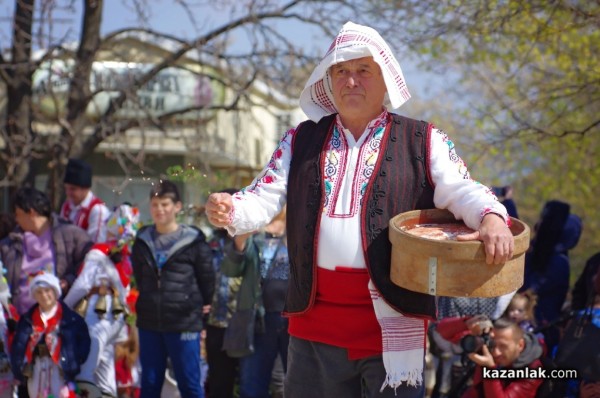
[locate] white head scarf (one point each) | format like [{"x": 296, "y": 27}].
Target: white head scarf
[
  {"x": 45, "y": 279},
  {"x": 352, "y": 42}
]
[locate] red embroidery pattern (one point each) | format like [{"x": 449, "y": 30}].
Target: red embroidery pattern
[
  {"x": 274, "y": 165},
  {"x": 337, "y": 164}
]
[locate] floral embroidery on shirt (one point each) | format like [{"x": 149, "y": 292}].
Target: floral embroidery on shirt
[
  {"x": 269, "y": 174},
  {"x": 461, "y": 165},
  {"x": 338, "y": 167},
  {"x": 336, "y": 151},
  {"x": 369, "y": 159}
]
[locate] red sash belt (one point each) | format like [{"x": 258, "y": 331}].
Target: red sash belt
[{"x": 342, "y": 314}]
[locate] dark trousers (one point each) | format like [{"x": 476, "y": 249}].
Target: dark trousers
[
  {"x": 319, "y": 370},
  {"x": 256, "y": 369},
  {"x": 222, "y": 369}
]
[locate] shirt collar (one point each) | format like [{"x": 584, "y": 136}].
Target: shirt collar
[
  {"x": 379, "y": 121},
  {"x": 85, "y": 202}
]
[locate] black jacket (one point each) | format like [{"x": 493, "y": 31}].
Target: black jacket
[
  {"x": 75, "y": 343},
  {"x": 171, "y": 299}
]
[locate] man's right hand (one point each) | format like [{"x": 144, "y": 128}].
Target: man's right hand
[
  {"x": 219, "y": 208},
  {"x": 484, "y": 358}
]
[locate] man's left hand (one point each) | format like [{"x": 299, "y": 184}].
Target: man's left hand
[{"x": 497, "y": 239}]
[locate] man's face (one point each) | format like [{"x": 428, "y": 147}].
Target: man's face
[
  {"x": 506, "y": 349},
  {"x": 358, "y": 87},
  {"x": 164, "y": 210},
  {"x": 75, "y": 193}
]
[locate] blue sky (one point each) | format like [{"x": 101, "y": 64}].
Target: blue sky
[{"x": 167, "y": 17}]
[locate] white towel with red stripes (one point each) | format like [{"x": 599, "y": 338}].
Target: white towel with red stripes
[{"x": 403, "y": 343}]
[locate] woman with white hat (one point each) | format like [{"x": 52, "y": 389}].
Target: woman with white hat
[{"x": 50, "y": 343}]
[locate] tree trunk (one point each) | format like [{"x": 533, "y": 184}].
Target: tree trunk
[
  {"x": 20, "y": 137},
  {"x": 79, "y": 96}
]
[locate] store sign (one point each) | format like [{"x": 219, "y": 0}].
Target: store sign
[{"x": 172, "y": 89}]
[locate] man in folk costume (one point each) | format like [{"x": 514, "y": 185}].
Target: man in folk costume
[
  {"x": 82, "y": 207},
  {"x": 344, "y": 174},
  {"x": 50, "y": 344},
  {"x": 99, "y": 295}
]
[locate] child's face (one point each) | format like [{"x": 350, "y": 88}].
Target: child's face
[
  {"x": 164, "y": 210},
  {"x": 517, "y": 311},
  {"x": 45, "y": 297}
]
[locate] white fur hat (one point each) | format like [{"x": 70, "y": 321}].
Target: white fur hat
[
  {"x": 45, "y": 279},
  {"x": 352, "y": 42}
]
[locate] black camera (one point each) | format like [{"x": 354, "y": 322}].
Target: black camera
[{"x": 471, "y": 343}]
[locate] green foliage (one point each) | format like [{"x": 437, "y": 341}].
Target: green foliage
[
  {"x": 205, "y": 182},
  {"x": 184, "y": 174},
  {"x": 529, "y": 72}
]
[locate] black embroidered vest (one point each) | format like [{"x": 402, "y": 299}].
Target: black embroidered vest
[{"x": 399, "y": 183}]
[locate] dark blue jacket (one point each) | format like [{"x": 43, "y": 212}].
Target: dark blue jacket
[
  {"x": 171, "y": 298},
  {"x": 548, "y": 276},
  {"x": 75, "y": 343}
]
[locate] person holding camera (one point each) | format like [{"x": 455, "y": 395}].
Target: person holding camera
[{"x": 501, "y": 346}]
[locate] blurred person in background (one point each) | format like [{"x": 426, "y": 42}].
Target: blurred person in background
[
  {"x": 262, "y": 261},
  {"x": 222, "y": 368},
  {"x": 508, "y": 347},
  {"x": 50, "y": 344},
  {"x": 42, "y": 241},
  {"x": 99, "y": 295},
  {"x": 173, "y": 269},
  {"x": 547, "y": 265},
  {"x": 82, "y": 207}
]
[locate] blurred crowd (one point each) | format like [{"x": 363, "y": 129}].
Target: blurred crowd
[
  {"x": 546, "y": 324},
  {"x": 94, "y": 304},
  {"x": 171, "y": 310}
]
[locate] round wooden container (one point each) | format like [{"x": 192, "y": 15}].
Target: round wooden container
[{"x": 448, "y": 267}]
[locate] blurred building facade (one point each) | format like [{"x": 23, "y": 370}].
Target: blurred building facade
[{"x": 211, "y": 147}]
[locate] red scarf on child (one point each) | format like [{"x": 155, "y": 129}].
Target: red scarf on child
[{"x": 49, "y": 332}]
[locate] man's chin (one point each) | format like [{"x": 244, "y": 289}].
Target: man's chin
[{"x": 354, "y": 107}]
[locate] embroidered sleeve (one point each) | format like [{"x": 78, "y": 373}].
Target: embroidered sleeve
[
  {"x": 455, "y": 190},
  {"x": 255, "y": 205}
]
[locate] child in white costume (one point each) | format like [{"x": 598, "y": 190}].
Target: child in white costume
[
  {"x": 50, "y": 343},
  {"x": 99, "y": 295}
]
